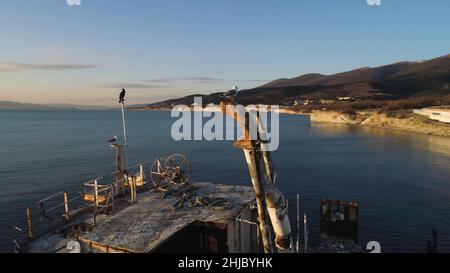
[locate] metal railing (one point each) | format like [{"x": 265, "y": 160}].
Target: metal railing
[{"x": 98, "y": 193}]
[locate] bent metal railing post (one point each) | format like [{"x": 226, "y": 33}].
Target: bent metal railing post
[
  {"x": 28, "y": 218},
  {"x": 66, "y": 206}
]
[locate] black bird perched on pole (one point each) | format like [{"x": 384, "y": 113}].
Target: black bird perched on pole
[
  {"x": 112, "y": 140},
  {"x": 122, "y": 96}
]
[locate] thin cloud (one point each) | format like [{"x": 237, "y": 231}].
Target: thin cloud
[
  {"x": 132, "y": 86},
  {"x": 201, "y": 79},
  {"x": 12, "y": 66},
  {"x": 251, "y": 80},
  {"x": 187, "y": 79}
]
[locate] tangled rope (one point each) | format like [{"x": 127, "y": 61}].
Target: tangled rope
[{"x": 203, "y": 201}]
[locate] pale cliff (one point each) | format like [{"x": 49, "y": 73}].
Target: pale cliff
[{"x": 405, "y": 121}]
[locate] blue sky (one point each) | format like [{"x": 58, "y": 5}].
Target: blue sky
[{"x": 159, "y": 49}]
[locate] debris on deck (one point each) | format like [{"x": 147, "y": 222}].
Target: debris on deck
[
  {"x": 148, "y": 224},
  {"x": 209, "y": 218},
  {"x": 333, "y": 244}
]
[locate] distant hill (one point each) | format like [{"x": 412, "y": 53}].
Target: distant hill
[
  {"x": 11, "y": 105},
  {"x": 398, "y": 80},
  {"x": 22, "y": 106}
]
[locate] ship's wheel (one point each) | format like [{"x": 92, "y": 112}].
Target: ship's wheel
[
  {"x": 178, "y": 169},
  {"x": 175, "y": 169}
]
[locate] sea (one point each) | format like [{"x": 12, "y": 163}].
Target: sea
[{"x": 400, "y": 180}]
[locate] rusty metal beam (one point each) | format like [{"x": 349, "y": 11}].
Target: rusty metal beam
[{"x": 260, "y": 200}]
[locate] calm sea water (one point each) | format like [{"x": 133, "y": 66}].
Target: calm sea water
[{"x": 402, "y": 181}]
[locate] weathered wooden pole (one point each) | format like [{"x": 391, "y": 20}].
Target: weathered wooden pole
[
  {"x": 66, "y": 206},
  {"x": 133, "y": 189},
  {"x": 130, "y": 185},
  {"x": 28, "y": 218},
  {"x": 249, "y": 151},
  {"x": 277, "y": 204},
  {"x": 260, "y": 201},
  {"x": 269, "y": 199},
  {"x": 269, "y": 166}
]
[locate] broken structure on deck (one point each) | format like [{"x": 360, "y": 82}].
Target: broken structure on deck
[
  {"x": 213, "y": 218},
  {"x": 207, "y": 218}
]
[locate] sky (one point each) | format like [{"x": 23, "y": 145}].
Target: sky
[{"x": 51, "y": 52}]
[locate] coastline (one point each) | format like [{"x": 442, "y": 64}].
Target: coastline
[
  {"x": 404, "y": 121},
  {"x": 407, "y": 122}
]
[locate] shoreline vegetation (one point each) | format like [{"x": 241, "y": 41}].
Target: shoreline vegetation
[
  {"x": 396, "y": 115},
  {"x": 389, "y": 114}
]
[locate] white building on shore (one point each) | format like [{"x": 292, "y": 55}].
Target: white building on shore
[{"x": 442, "y": 115}]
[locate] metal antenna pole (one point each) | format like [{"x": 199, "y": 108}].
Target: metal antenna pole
[
  {"x": 297, "y": 247},
  {"x": 305, "y": 231},
  {"x": 125, "y": 134}
]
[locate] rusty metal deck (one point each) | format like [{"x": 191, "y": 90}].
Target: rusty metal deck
[{"x": 145, "y": 225}]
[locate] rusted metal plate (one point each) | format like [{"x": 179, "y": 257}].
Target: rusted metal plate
[{"x": 339, "y": 218}]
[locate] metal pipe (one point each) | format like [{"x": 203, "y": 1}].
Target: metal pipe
[
  {"x": 118, "y": 176},
  {"x": 305, "y": 232},
  {"x": 277, "y": 206},
  {"x": 95, "y": 200},
  {"x": 270, "y": 169},
  {"x": 28, "y": 218},
  {"x": 125, "y": 134},
  {"x": 297, "y": 247},
  {"x": 66, "y": 206},
  {"x": 50, "y": 197},
  {"x": 257, "y": 229}
]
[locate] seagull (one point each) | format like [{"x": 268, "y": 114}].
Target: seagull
[
  {"x": 122, "y": 96},
  {"x": 231, "y": 93},
  {"x": 112, "y": 140}
]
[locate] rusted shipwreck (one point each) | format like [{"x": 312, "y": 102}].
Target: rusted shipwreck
[
  {"x": 154, "y": 208},
  {"x": 207, "y": 218}
]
